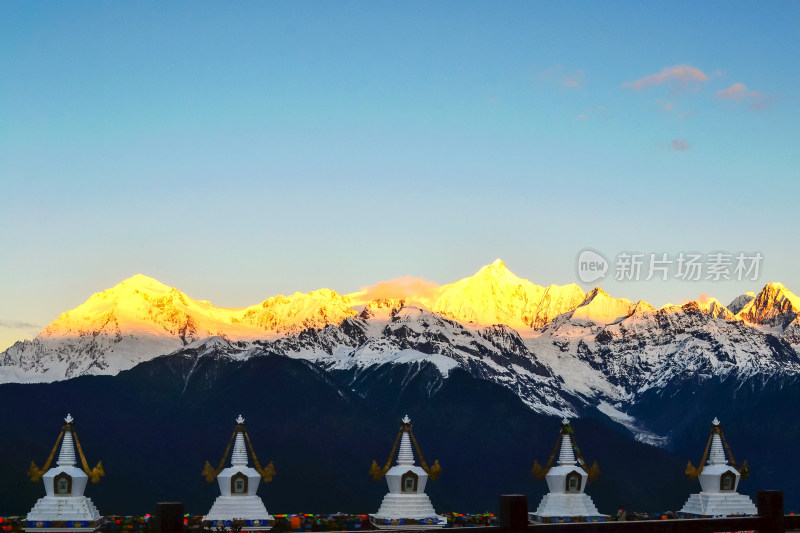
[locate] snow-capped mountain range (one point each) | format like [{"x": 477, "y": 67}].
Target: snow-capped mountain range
[{"x": 558, "y": 348}]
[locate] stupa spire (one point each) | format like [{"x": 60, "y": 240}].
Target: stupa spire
[
  {"x": 716, "y": 455},
  {"x": 66, "y": 457},
  {"x": 566, "y": 455},
  {"x": 405, "y": 455},
  {"x": 239, "y": 455}
]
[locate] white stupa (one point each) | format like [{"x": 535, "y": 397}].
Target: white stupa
[
  {"x": 238, "y": 485},
  {"x": 566, "y": 501},
  {"x": 719, "y": 482},
  {"x": 64, "y": 508},
  {"x": 406, "y": 505}
]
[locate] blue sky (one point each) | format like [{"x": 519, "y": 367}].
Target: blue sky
[{"x": 238, "y": 151}]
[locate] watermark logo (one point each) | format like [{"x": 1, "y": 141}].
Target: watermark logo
[
  {"x": 591, "y": 266},
  {"x": 685, "y": 266}
]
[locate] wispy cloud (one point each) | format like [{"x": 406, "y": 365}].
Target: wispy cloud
[
  {"x": 598, "y": 112},
  {"x": 669, "y": 107},
  {"x": 679, "y": 144},
  {"x": 738, "y": 91},
  {"x": 410, "y": 288},
  {"x": 13, "y": 324},
  {"x": 673, "y": 109},
  {"x": 574, "y": 80},
  {"x": 678, "y": 77},
  {"x": 561, "y": 77},
  {"x": 703, "y": 298}
]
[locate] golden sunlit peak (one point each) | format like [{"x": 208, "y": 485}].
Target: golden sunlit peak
[
  {"x": 143, "y": 283},
  {"x": 597, "y": 291},
  {"x": 643, "y": 307},
  {"x": 777, "y": 291},
  {"x": 141, "y": 279},
  {"x": 497, "y": 267}
]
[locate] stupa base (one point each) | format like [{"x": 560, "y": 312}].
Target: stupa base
[
  {"x": 63, "y": 526},
  {"x": 711, "y": 504},
  {"x": 249, "y": 511},
  {"x": 63, "y": 513},
  {"x": 563, "y": 507},
  {"x": 407, "y": 511}
]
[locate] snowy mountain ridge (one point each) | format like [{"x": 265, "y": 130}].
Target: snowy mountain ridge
[{"x": 559, "y": 349}]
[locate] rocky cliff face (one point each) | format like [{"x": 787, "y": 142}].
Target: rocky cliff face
[{"x": 775, "y": 306}]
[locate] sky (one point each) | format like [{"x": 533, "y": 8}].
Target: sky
[{"x": 241, "y": 150}]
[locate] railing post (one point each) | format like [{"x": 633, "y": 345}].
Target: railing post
[
  {"x": 514, "y": 512},
  {"x": 770, "y": 505},
  {"x": 168, "y": 518}
]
